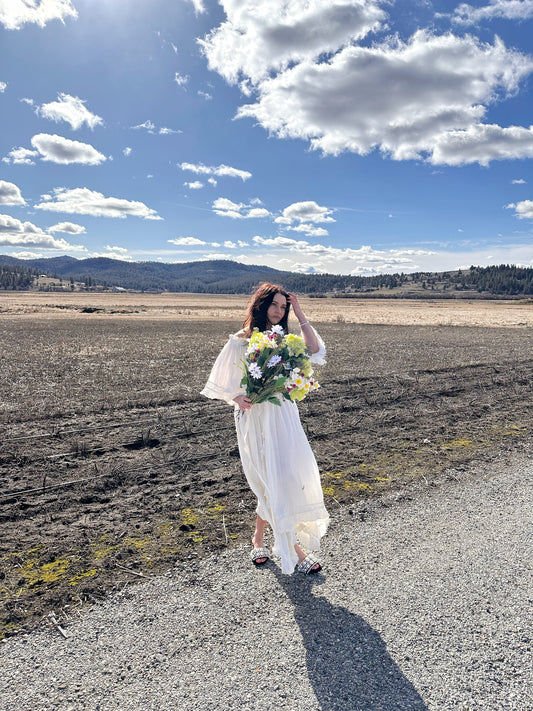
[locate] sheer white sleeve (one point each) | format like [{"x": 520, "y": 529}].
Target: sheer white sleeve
[
  {"x": 226, "y": 374},
  {"x": 320, "y": 356}
]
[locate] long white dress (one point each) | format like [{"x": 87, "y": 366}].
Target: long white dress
[{"x": 276, "y": 457}]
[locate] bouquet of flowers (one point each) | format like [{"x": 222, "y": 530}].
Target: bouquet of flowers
[{"x": 277, "y": 365}]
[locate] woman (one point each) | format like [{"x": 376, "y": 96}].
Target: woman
[{"x": 275, "y": 454}]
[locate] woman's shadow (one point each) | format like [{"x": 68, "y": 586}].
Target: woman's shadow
[{"x": 347, "y": 661}]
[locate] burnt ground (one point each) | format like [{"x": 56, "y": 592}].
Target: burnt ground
[{"x": 114, "y": 468}]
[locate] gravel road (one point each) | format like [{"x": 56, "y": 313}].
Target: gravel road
[{"x": 424, "y": 604}]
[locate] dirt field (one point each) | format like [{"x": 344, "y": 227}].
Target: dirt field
[{"x": 114, "y": 467}]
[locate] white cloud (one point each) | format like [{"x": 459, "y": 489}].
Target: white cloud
[
  {"x": 186, "y": 241},
  {"x": 310, "y": 230},
  {"x": 424, "y": 98},
  {"x": 69, "y": 227},
  {"x": 519, "y": 181},
  {"x": 205, "y": 94},
  {"x": 82, "y": 201},
  {"x": 504, "y": 9},
  {"x": 228, "y": 244},
  {"x": 304, "y": 268},
  {"x": 13, "y": 232},
  {"x": 127, "y": 151},
  {"x": 3, "y": 86},
  {"x": 164, "y": 131},
  {"x": 15, "y": 13},
  {"x": 10, "y": 194},
  {"x": 213, "y": 182},
  {"x": 21, "y": 156},
  {"x": 523, "y": 210},
  {"x": 227, "y": 208},
  {"x": 216, "y": 255},
  {"x": 219, "y": 170},
  {"x": 199, "y": 7},
  {"x": 404, "y": 98},
  {"x": 483, "y": 143},
  {"x": 181, "y": 79},
  {"x": 147, "y": 125},
  {"x": 113, "y": 253},
  {"x": 347, "y": 260},
  {"x": 195, "y": 185},
  {"x": 307, "y": 211},
  {"x": 58, "y": 149},
  {"x": 258, "y": 38},
  {"x": 71, "y": 109},
  {"x": 28, "y": 255}
]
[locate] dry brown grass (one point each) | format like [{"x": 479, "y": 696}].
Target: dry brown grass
[{"x": 496, "y": 314}]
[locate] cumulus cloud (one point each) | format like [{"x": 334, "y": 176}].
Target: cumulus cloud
[
  {"x": 3, "y": 86},
  {"x": 205, "y": 95},
  {"x": 127, "y": 151},
  {"x": 403, "y": 98},
  {"x": 21, "y": 156},
  {"x": 15, "y": 13},
  {"x": 69, "y": 227},
  {"x": 113, "y": 253},
  {"x": 219, "y": 170},
  {"x": 195, "y": 185},
  {"x": 240, "y": 210},
  {"x": 10, "y": 194},
  {"x": 483, "y": 143},
  {"x": 309, "y": 230},
  {"x": 518, "y": 181},
  {"x": 311, "y": 79},
  {"x": 181, "y": 79},
  {"x": 28, "y": 255},
  {"x": 523, "y": 210},
  {"x": 13, "y": 232},
  {"x": 334, "y": 259},
  {"x": 307, "y": 211},
  {"x": 82, "y": 201},
  {"x": 496, "y": 9},
  {"x": 58, "y": 149},
  {"x": 186, "y": 241},
  {"x": 164, "y": 131},
  {"x": 258, "y": 38},
  {"x": 71, "y": 109}
]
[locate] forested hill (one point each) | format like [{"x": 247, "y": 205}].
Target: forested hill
[{"x": 226, "y": 277}]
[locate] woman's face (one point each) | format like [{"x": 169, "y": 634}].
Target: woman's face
[{"x": 276, "y": 310}]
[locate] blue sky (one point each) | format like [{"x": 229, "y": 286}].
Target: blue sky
[{"x": 342, "y": 136}]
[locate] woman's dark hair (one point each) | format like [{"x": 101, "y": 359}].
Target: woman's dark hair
[{"x": 260, "y": 301}]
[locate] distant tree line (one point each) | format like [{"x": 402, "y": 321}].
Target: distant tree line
[
  {"x": 16, "y": 278},
  {"x": 227, "y": 277}
]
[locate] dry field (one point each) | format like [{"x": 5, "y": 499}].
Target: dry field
[
  {"x": 230, "y": 308},
  {"x": 114, "y": 467}
]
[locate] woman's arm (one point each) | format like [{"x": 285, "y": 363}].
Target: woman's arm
[{"x": 308, "y": 333}]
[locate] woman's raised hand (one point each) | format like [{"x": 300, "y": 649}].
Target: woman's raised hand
[
  {"x": 293, "y": 300},
  {"x": 243, "y": 402}
]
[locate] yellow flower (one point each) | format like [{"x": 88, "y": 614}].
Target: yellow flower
[{"x": 295, "y": 344}]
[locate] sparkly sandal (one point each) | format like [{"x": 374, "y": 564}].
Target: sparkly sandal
[
  {"x": 260, "y": 556},
  {"x": 308, "y": 566}
]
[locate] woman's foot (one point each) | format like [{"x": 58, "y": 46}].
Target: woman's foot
[
  {"x": 260, "y": 554},
  {"x": 302, "y": 556},
  {"x": 257, "y": 542}
]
